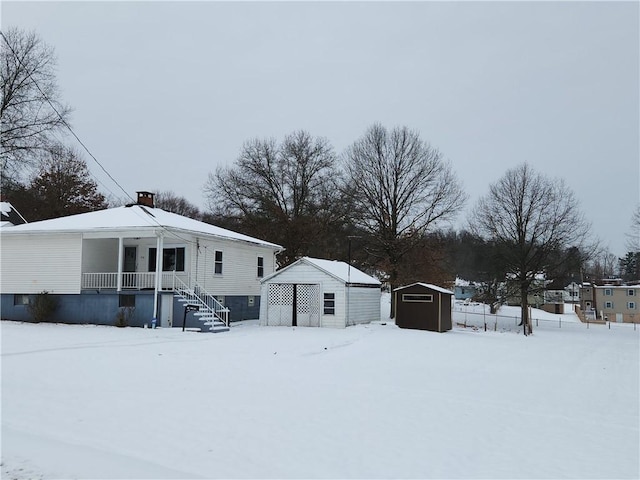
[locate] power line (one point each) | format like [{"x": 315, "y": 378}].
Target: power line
[{"x": 64, "y": 122}]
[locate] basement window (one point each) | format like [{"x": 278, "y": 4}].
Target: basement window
[
  {"x": 126, "y": 300},
  {"x": 20, "y": 299}
]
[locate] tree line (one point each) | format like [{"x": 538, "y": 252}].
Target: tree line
[{"x": 384, "y": 204}]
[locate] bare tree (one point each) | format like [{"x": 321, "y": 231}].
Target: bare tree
[
  {"x": 633, "y": 237},
  {"x": 283, "y": 192},
  {"x": 173, "y": 203},
  {"x": 531, "y": 218},
  {"x": 400, "y": 187},
  {"x": 63, "y": 186},
  {"x": 30, "y": 108}
]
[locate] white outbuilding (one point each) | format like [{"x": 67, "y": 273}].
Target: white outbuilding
[{"x": 313, "y": 292}]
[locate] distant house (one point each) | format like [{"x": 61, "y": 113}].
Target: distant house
[
  {"x": 314, "y": 292},
  {"x": 464, "y": 290},
  {"x": 617, "y": 303},
  {"x": 423, "y": 306},
  {"x": 138, "y": 257}
]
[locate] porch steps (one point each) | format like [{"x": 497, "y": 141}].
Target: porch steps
[{"x": 213, "y": 315}]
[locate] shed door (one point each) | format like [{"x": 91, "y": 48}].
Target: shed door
[
  {"x": 280, "y": 306},
  {"x": 293, "y": 304},
  {"x": 308, "y": 305}
]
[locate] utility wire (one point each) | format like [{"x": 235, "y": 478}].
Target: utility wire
[{"x": 64, "y": 122}]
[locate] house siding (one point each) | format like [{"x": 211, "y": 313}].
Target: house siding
[
  {"x": 100, "y": 255},
  {"x": 87, "y": 308},
  {"x": 364, "y": 305},
  {"x": 239, "y": 267},
  {"x": 32, "y": 263}
]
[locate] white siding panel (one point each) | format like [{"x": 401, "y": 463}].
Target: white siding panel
[
  {"x": 100, "y": 255},
  {"x": 364, "y": 305},
  {"x": 239, "y": 267},
  {"x": 35, "y": 263}
]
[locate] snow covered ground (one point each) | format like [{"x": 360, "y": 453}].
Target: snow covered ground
[{"x": 371, "y": 401}]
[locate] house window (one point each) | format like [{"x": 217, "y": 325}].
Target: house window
[
  {"x": 608, "y": 292},
  {"x": 172, "y": 259},
  {"x": 417, "y": 297},
  {"x": 329, "y": 303},
  {"x": 217, "y": 269},
  {"x": 260, "y": 267},
  {"x": 126, "y": 300},
  {"x": 20, "y": 299},
  {"x": 631, "y": 305},
  {"x": 608, "y": 304},
  {"x": 631, "y": 292}
]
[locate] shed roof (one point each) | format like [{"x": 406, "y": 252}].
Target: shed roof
[
  {"x": 426, "y": 285},
  {"x": 134, "y": 217},
  {"x": 339, "y": 270},
  {"x": 9, "y": 216}
]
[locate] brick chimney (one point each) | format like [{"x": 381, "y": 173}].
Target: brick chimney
[{"x": 146, "y": 199}]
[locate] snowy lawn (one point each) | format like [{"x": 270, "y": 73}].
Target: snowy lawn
[{"x": 370, "y": 401}]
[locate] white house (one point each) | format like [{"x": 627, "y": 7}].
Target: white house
[
  {"x": 99, "y": 262},
  {"x": 319, "y": 293}
]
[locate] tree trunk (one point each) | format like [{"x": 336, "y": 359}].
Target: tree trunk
[{"x": 524, "y": 307}]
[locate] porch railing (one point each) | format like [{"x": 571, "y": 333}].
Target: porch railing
[{"x": 130, "y": 280}]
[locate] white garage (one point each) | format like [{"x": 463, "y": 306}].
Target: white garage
[{"x": 313, "y": 292}]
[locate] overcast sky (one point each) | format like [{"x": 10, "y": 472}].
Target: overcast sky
[{"x": 163, "y": 92}]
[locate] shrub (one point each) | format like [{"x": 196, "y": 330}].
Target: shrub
[
  {"x": 42, "y": 306},
  {"x": 124, "y": 315}
]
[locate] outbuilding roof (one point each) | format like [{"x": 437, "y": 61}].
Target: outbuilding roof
[
  {"x": 9, "y": 216},
  {"x": 134, "y": 217},
  {"x": 338, "y": 270},
  {"x": 426, "y": 285}
]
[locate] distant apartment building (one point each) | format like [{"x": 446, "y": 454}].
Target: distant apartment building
[{"x": 614, "y": 303}]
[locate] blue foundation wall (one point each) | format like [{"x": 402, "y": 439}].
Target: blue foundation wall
[{"x": 100, "y": 308}]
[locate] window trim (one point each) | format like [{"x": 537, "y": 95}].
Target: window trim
[
  {"x": 21, "y": 299},
  {"x": 608, "y": 305},
  {"x": 180, "y": 256},
  {"x": 218, "y": 264},
  {"x": 608, "y": 292},
  {"x": 417, "y": 297},
  {"x": 631, "y": 305},
  {"x": 260, "y": 271},
  {"x": 329, "y": 303},
  {"x": 631, "y": 292}
]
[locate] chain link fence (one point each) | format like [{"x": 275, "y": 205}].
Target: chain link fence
[{"x": 470, "y": 318}]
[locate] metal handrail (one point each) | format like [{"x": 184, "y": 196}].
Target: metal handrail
[{"x": 200, "y": 296}]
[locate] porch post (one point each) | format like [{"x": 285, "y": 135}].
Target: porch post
[
  {"x": 159, "y": 255},
  {"x": 120, "y": 262}
]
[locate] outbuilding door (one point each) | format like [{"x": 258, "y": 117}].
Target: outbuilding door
[{"x": 292, "y": 304}]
